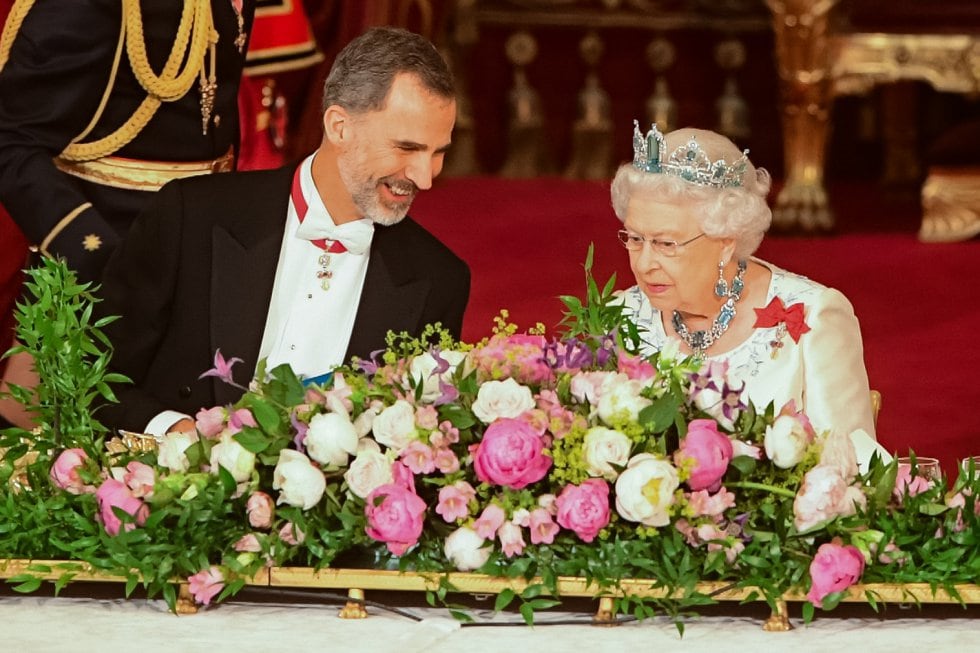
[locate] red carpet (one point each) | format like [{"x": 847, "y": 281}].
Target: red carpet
[{"x": 919, "y": 304}]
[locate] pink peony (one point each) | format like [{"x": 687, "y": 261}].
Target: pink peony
[
  {"x": 210, "y": 422},
  {"x": 490, "y": 520},
  {"x": 824, "y": 495},
  {"x": 206, "y": 584},
  {"x": 711, "y": 452},
  {"x": 394, "y": 516},
  {"x": 834, "y": 569},
  {"x": 511, "y": 539},
  {"x": 510, "y": 454},
  {"x": 260, "y": 508},
  {"x": 64, "y": 472},
  {"x": 543, "y": 527},
  {"x": 584, "y": 508},
  {"x": 454, "y": 500},
  {"x": 114, "y": 494}
]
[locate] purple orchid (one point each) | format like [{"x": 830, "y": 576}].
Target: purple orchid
[
  {"x": 301, "y": 428},
  {"x": 448, "y": 396},
  {"x": 222, "y": 369},
  {"x": 370, "y": 366},
  {"x": 731, "y": 400}
]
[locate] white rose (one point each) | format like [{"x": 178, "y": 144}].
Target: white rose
[
  {"x": 786, "y": 442},
  {"x": 423, "y": 366},
  {"x": 622, "y": 398},
  {"x": 465, "y": 549},
  {"x": 498, "y": 399},
  {"x": 171, "y": 448},
  {"x": 587, "y": 387},
  {"x": 331, "y": 438},
  {"x": 369, "y": 470},
  {"x": 645, "y": 490},
  {"x": 395, "y": 426},
  {"x": 299, "y": 481},
  {"x": 231, "y": 455},
  {"x": 365, "y": 420},
  {"x": 604, "y": 448}
]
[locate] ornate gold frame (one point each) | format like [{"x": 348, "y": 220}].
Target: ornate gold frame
[{"x": 357, "y": 581}]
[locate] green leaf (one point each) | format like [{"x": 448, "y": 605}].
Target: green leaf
[
  {"x": 505, "y": 598},
  {"x": 253, "y": 439},
  {"x": 265, "y": 414}
]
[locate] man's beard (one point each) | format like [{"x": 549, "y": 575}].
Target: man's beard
[{"x": 369, "y": 202}]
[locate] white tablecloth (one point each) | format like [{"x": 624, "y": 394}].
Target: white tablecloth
[{"x": 32, "y": 624}]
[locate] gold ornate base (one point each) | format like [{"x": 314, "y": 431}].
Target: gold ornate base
[
  {"x": 950, "y": 205},
  {"x": 357, "y": 581}
]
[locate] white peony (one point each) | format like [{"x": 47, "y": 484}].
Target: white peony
[
  {"x": 497, "y": 399},
  {"x": 370, "y": 470},
  {"x": 645, "y": 490},
  {"x": 465, "y": 549},
  {"x": 587, "y": 387},
  {"x": 299, "y": 481},
  {"x": 786, "y": 441},
  {"x": 331, "y": 439},
  {"x": 228, "y": 453},
  {"x": 394, "y": 427},
  {"x": 622, "y": 398},
  {"x": 171, "y": 450},
  {"x": 604, "y": 448},
  {"x": 422, "y": 367}
]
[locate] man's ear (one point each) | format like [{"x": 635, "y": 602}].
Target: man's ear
[{"x": 336, "y": 124}]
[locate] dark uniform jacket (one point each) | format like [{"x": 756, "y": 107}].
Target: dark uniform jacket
[
  {"x": 59, "y": 66},
  {"x": 196, "y": 274}
]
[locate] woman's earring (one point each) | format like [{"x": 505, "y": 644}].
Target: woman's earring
[{"x": 721, "y": 286}]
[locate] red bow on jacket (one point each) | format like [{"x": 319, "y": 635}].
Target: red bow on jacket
[{"x": 775, "y": 313}]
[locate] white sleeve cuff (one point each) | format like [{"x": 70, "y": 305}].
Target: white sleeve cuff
[{"x": 162, "y": 422}]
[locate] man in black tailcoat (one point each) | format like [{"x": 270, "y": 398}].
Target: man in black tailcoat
[{"x": 305, "y": 265}]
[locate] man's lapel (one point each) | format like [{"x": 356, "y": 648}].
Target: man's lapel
[
  {"x": 243, "y": 266},
  {"x": 392, "y": 298}
]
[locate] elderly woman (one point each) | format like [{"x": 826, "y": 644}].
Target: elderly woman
[{"x": 694, "y": 210}]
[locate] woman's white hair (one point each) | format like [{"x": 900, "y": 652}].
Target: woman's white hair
[{"x": 739, "y": 212}]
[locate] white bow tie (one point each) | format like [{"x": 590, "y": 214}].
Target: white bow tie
[{"x": 355, "y": 236}]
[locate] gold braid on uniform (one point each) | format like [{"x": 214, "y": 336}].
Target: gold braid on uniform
[
  {"x": 18, "y": 11},
  {"x": 196, "y": 28}
]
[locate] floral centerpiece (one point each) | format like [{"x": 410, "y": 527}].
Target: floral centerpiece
[{"x": 521, "y": 456}]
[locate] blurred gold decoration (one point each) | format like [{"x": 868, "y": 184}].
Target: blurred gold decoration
[
  {"x": 354, "y": 608},
  {"x": 661, "y": 106},
  {"x": 803, "y": 60},
  {"x": 950, "y": 205},
  {"x": 525, "y": 155},
  {"x": 733, "y": 110},
  {"x": 900, "y": 133},
  {"x": 461, "y": 159},
  {"x": 592, "y": 132},
  {"x": 128, "y": 442}
]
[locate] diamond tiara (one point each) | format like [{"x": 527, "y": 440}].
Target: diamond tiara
[{"x": 689, "y": 161}]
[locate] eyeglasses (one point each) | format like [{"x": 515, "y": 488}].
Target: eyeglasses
[{"x": 634, "y": 243}]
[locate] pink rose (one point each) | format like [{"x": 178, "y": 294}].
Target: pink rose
[
  {"x": 584, "y": 508},
  {"x": 64, "y": 472},
  {"x": 210, "y": 421},
  {"x": 711, "y": 452},
  {"x": 453, "y": 500},
  {"x": 824, "y": 495},
  {"x": 140, "y": 479},
  {"x": 240, "y": 419},
  {"x": 291, "y": 534},
  {"x": 834, "y": 569},
  {"x": 248, "y": 543},
  {"x": 489, "y": 521},
  {"x": 259, "y": 509},
  {"x": 394, "y": 516},
  {"x": 510, "y": 454},
  {"x": 908, "y": 485},
  {"x": 114, "y": 494},
  {"x": 511, "y": 539},
  {"x": 206, "y": 584},
  {"x": 542, "y": 526}
]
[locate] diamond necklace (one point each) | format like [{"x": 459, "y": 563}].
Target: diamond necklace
[{"x": 699, "y": 341}]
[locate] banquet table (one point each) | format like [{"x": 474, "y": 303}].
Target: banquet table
[{"x": 37, "y": 624}]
